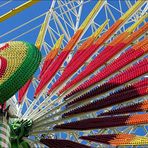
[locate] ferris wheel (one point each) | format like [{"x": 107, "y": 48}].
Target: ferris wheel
[{"x": 91, "y": 86}]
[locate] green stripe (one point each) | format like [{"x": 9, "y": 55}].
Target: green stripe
[{"x": 22, "y": 74}]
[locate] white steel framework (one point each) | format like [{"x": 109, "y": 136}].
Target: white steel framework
[{"x": 64, "y": 17}]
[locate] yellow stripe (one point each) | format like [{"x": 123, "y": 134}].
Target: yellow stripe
[
  {"x": 136, "y": 24},
  {"x": 132, "y": 9},
  {"x": 139, "y": 140},
  {"x": 15, "y": 54},
  {"x": 59, "y": 42},
  {"x": 92, "y": 14},
  {"x": 17, "y": 10},
  {"x": 99, "y": 30},
  {"x": 40, "y": 36},
  {"x": 55, "y": 49}
]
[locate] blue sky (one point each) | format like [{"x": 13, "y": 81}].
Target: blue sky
[
  {"x": 35, "y": 11},
  {"x": 21, "y": 18},
  {"x": 27, "y": 15}
]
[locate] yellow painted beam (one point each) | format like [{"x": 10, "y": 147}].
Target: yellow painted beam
[
  {"x": 137, "y": 141},
  {"x": 59, "y": 42},
  {"x": 92, "y": 14},
  {"x": 17, "y": 10},
  {"x": 136, "y": 24},
  {"x": 55, "y": 50},
  {"x": 100, "y": 29},
  {"x": 132, "y": 9},
  {"x": 41, "y": 34}
]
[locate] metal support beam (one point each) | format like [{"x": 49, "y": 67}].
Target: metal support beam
[{"x": 17, "y": 10}]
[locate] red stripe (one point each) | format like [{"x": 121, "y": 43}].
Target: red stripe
[
  {"x": 3, "y": 66},
  {"x": 50, "y": 72},
  {"x": 4, "y": 47},
  {"x": 121, "y": 78},
  {"x": 105, "y": 122},
  {"x": 56, "y": 64},
  {"x": 23, "y": 91},
  {"x": 113, "y": 139},
  {"x": 45, "y": 67},
  {"x": 102, "y": 57},
  {"x": 127, "y": 93},
  {"x": 77, "y": 63},
  {"x": 117, "y": 64},
  {"x": 136, "y": 107}
]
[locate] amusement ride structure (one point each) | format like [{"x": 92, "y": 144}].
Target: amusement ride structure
[{"x": 83, "y": 83}]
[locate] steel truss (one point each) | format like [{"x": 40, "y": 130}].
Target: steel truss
[{"x": 64, "y": 17}]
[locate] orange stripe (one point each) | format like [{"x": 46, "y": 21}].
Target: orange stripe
[
  {"x": 140, "y": 44},
  {"x": 109, "y": 32},
  {"x": 145, "y": 48},
  {"x": 52, "y": 54},
  {"x": 87, "y": 43},
  {"x": 119, "y": 38},
  {"x": 136, "y": 34},
  {"x": 137, "y": 118},
  {"x": 73, "y": 40}
]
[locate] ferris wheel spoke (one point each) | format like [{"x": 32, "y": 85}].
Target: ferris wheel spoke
[
  {"x": 44, "y": 118},
  {"x": 67, "y": 35},
  {"x": 76, "y": 100},
  {"x": 63, "y": 104},
  {"x": 98, "y": 7},
  {"x": 68, "y": 15},
  {"x": 97, "y": 83}
]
